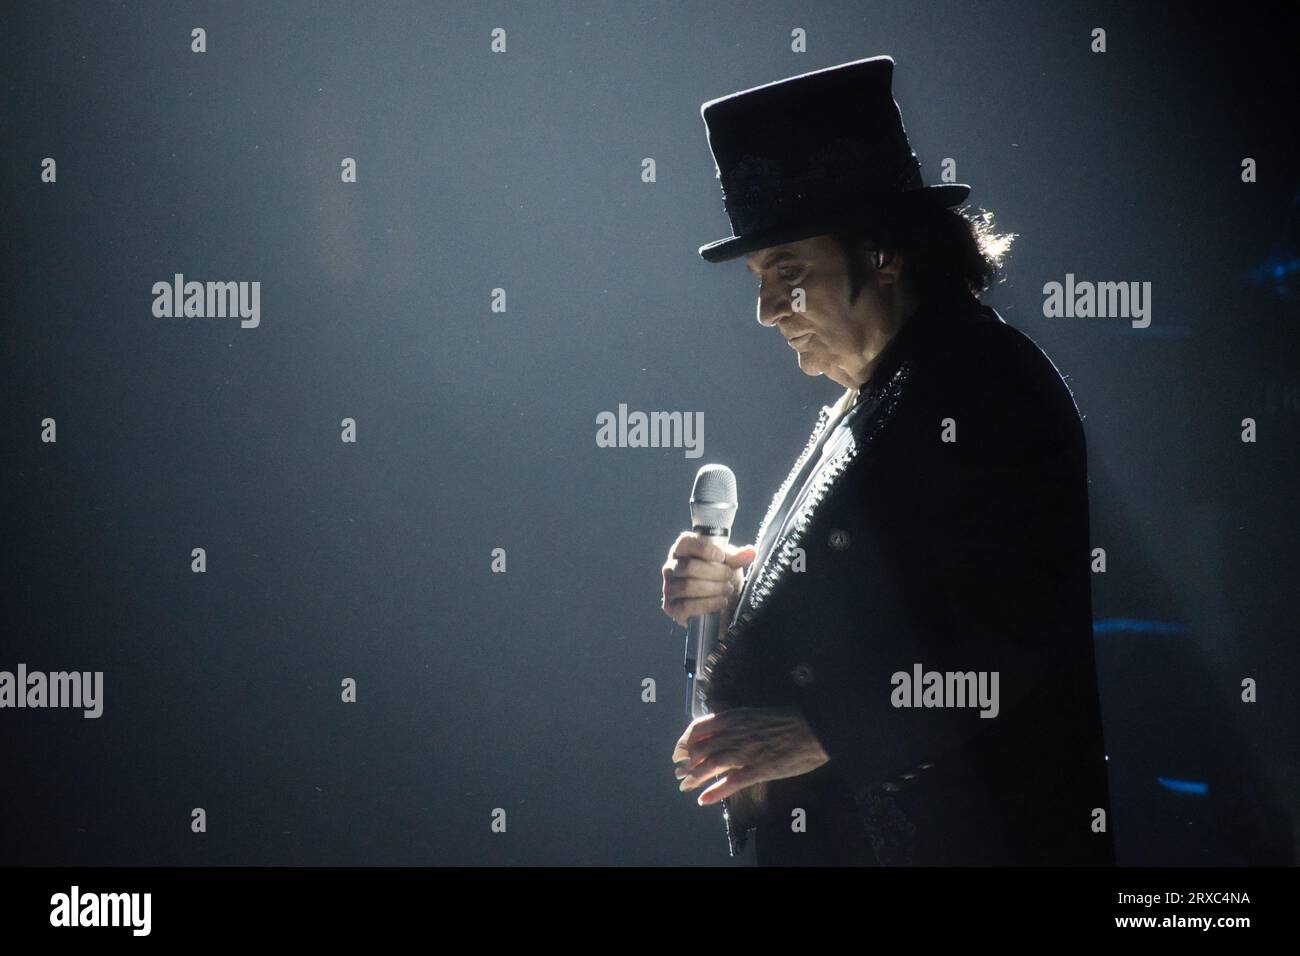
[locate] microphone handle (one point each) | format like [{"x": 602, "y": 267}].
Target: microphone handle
[{"x": 702, "y": 634}]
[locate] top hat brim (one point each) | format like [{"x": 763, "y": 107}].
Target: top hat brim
[{"x": 733, "y": 247}]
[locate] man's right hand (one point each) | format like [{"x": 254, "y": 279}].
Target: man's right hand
[{"x": 700, "y": 578}]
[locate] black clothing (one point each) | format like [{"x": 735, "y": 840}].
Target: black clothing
[{"x": 955, "y": 556}]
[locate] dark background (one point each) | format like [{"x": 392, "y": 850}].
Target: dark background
[{"x": 477, "y": 429}]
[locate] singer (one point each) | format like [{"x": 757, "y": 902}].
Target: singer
[{"x": 937, "y": 520}]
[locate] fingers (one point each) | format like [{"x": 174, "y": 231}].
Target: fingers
[
  {"x": 686, "y": 587},
  {"x": 706, "y": 749},
  {"x": 691, "y": 545},
  {"x": 699, "y": 761},
  {"x": 703, "y": 744},
  {"x": 696, "y": 568},
  {"x": 681, "y": 750},
  {"x": 732, "y": 783},
  {"x": 695, "y": 586},
  {"x": 702, "y": 729},
  {"x": 694, "y": 578},
  {"x": 701, "y": 578},
  {"x": 720, "y": 762},
  {"x": 706, "y": 757},
  {"x": 741, "y": 557},
  {"x": 714, "y": 748}
]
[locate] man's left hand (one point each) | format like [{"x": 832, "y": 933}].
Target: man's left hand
[{"x": 748, "y": 745}]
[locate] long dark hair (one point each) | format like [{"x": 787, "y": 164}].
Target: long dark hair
[{"x": 946, "y": 252}]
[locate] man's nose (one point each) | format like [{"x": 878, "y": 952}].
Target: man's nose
[{"x": 772, "y": 307}]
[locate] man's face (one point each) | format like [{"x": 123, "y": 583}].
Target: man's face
[{"x": 831, "y": 333}]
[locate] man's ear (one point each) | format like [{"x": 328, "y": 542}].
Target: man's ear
[{"x": 888, "y": 263}]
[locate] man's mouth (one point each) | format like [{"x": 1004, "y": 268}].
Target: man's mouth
[{"x": 794, "y": 341}]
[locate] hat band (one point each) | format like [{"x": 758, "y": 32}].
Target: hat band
[{"x": 783, "y": 208}]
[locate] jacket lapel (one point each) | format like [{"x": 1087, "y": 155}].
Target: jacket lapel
[
  {"x": 765, "y": 540},
  {"x": 856, "y": 432}
]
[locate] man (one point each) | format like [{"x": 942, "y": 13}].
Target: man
[{"x": 907, "y": 676}]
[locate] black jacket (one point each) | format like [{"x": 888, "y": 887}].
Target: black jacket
[{"x": 958, "y": 556}]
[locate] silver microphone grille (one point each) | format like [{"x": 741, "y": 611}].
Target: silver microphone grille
[{"x": 713, "y": 497}]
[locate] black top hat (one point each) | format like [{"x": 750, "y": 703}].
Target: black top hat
[{"x": 803, "y": 155}]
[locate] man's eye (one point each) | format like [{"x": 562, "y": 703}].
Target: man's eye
[{"x": 790, "y": 273}]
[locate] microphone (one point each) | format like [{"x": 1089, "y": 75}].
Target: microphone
[{"x": 713, "y": 509}]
